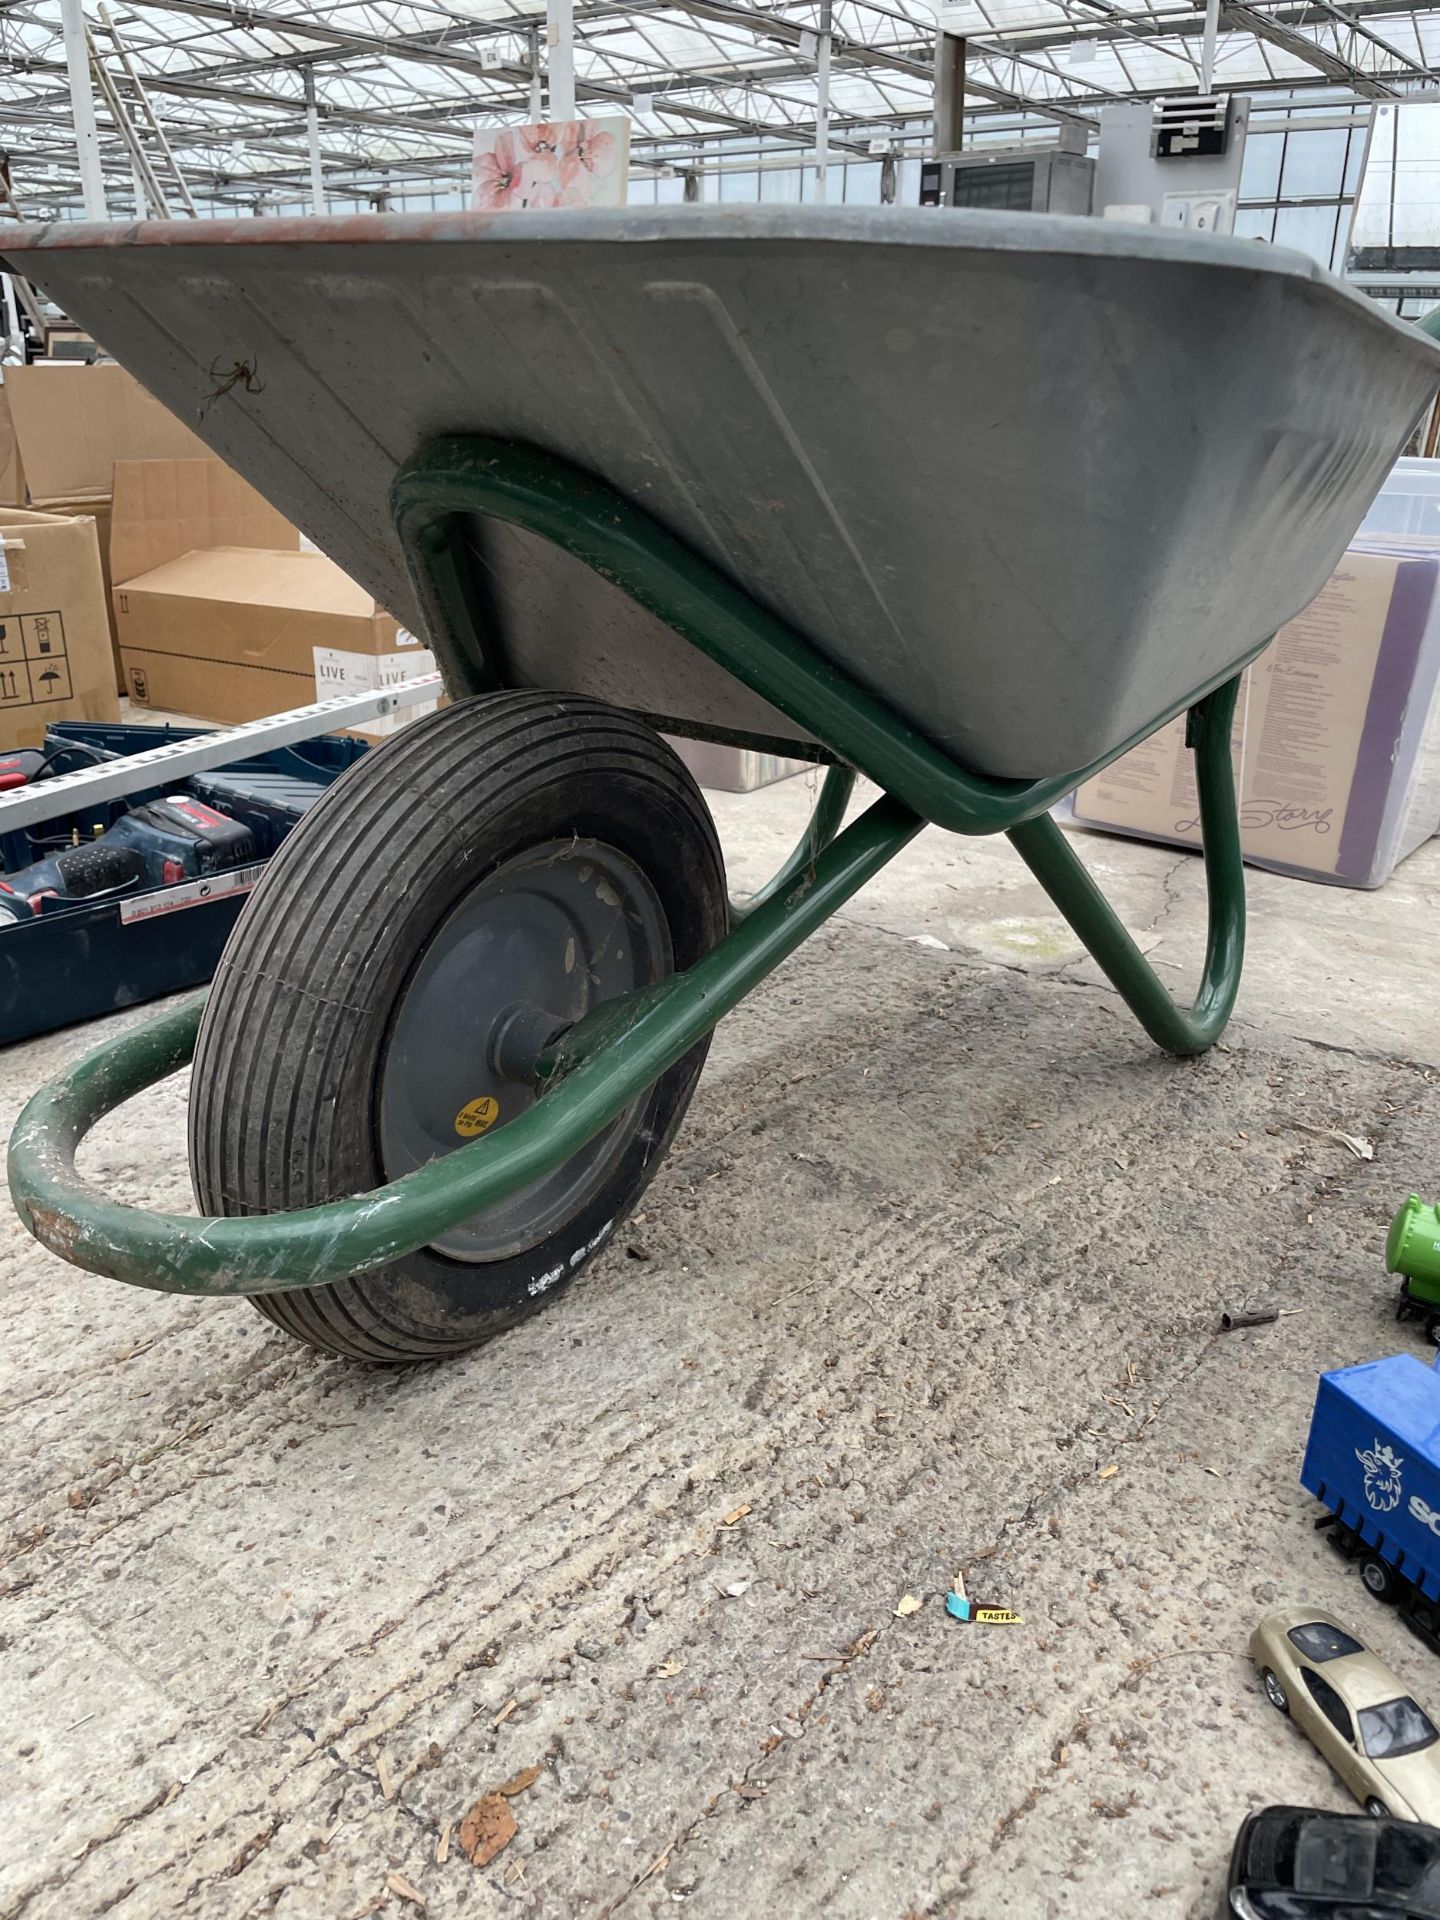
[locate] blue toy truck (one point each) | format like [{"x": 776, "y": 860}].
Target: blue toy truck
[{"x": 1373, "y": 1461}]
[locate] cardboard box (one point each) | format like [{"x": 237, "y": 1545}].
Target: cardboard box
[
  {"x": 55, "y": 660},
  {"x": 72, "y": 423},
  {"x": 1336, "y": 739},
  {"x": 165, "y": 508},
  {"x": 236, "y": 633},
  {"x": 12, "y": 469},
  {"x": 99, "y": 512}
]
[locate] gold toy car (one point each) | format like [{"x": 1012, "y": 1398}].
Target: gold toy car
[{"x": 1377, "y": 1738}]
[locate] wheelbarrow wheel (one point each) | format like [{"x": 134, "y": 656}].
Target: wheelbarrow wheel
[{"x": 457, "y": 897}]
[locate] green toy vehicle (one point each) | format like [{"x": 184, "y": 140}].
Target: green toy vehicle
[{"x": 1412, "y": 1249}]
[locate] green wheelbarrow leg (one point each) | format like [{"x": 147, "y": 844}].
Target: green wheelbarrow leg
[
  {"x": 1054, "y": 863},
  {"x": 824, "y": 823},
  {"x": 592, "y": 1073}
]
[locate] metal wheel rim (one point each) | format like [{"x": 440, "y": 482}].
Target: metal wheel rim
[
  {"x": 1373, "y": 1577},
  {"x": 558, "y": 929},
  {"x": 1275, "y": 1693}
]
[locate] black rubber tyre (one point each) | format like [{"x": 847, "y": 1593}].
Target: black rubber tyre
[
  {"x": 1432, "y": 1328},
  {"x": 1380, "y": 1579},
  {"x": 292, "y": 1061},
  {"x": 1275, "y": 1693}
]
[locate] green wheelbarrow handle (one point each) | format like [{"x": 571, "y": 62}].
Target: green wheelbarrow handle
[{"x": 593, "y": 1073}]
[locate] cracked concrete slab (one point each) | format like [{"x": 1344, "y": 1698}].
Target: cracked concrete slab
[{"x": 941, "y": 1244}]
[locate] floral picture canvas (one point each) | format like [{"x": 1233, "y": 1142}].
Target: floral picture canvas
[{"x": 554, "y": 163}]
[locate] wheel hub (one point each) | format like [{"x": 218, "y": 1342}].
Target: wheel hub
[
  {"x": 544, "y": 939},
  {"x": 518, "y": 1038}
]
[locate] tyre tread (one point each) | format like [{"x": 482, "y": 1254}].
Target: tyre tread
[{"x": 278, "y": 1020}]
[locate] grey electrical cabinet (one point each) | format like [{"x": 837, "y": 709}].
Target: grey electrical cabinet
[{"x": 1013, "y": 179}]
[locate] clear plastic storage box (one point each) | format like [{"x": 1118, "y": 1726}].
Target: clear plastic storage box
[
  {"x": 1408, "y": 503},
  {"x": 1337, "y": 733}
]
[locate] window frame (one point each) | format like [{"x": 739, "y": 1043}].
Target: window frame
[{"x": 1318, "y": 1688}]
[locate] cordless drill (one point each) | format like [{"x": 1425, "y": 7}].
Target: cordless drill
[
  {"x": 20, "y": 768},
  {"x": 156, "y": 845}
]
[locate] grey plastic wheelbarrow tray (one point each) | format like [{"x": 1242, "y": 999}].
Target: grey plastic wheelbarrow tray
[{"x": 1029, "y": 481}]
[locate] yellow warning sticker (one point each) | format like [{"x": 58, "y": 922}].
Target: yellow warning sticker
[{"x": 478, "y": 1117}]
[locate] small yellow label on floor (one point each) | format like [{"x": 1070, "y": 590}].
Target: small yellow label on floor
[{"x": 478, "y": 1117}]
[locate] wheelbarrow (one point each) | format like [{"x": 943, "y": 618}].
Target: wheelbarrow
[{"x": 966, "y": 503}]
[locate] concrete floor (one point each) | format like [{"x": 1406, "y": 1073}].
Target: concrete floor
[{"x": 932, "y": 1282}]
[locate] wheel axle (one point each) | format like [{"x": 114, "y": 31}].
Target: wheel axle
[{"x": 520, "y": 1036}]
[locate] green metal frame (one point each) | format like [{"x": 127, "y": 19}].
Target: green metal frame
[
  {"x": 825, "y": 821},
  {"x": 596, "y": 1068}
]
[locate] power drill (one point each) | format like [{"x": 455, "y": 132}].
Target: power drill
[
  {"x": 156, "y": 845},
  {"x": 20, "y": 768}
]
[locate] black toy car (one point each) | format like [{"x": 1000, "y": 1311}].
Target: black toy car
[{"x": 1295, "y": 1863}]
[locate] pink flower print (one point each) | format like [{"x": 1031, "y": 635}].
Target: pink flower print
[
  {"x": 543, "y": 141},
  {"x": 539, "y": 185},
  {"x": 551, "y": 164},
  {"x": 587, "y": 154},
  {"x": 540, "y": 159},
  {"x": 498, "y": 174}
]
